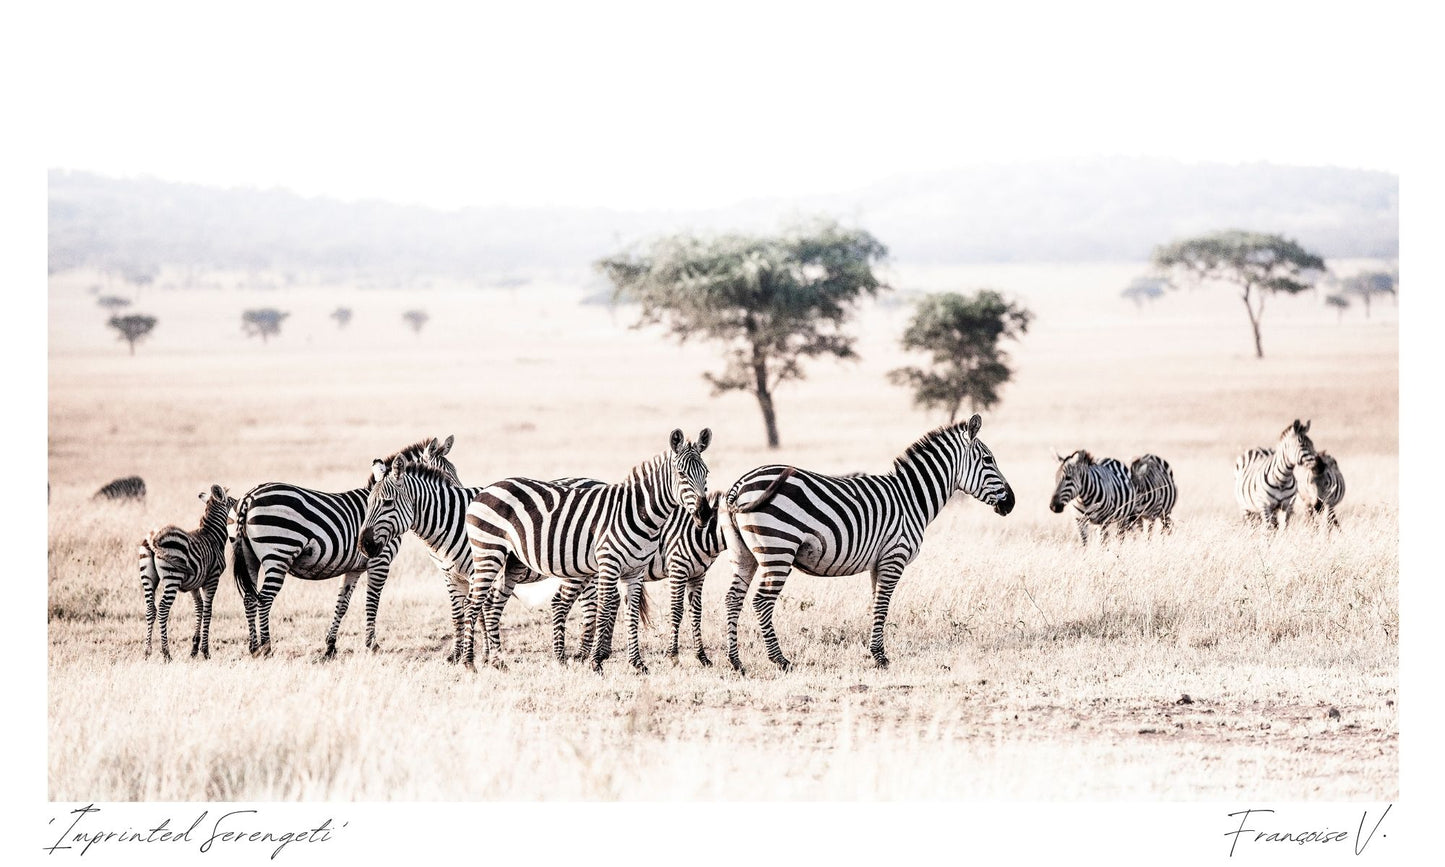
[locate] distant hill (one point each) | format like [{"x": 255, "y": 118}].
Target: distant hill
[{"x": 1099, "y": 210}]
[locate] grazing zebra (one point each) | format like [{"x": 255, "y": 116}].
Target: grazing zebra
[
  {"x": 1154, "y": 492},
  {"x": 128, "y": 488},
  {"x": 1264, "y": 483},
  {"x": 1321, "y": 486},
  {"x": 1102, "y": 493},
  {"x": 285, "y": 529},
  {"x": 426, "y": 500},
  {"x": 781, "y": 518},
  {"x": 596, "y": 533},
  {"x": 173, "y": 561}
]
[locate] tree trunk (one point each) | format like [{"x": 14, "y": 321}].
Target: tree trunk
[
  {"x": 131, "y": 344},
  {"x": 1254, "y": 322},
  {"x": 765, "y": 397}
]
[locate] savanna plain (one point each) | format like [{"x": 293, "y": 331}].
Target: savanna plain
[{"x": 1208, "y": 664}]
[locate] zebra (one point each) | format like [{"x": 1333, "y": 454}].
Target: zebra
[
  {"x": 1154, "y": 492},
  {"x": 128, "y": 488},
  {"x": 685, "y": 550},
  {"x": 1102, "y": 492},
  {"x": 1264, "y": 483},
  {"x": 285, "y": 529},
  {"x": 782, "y": 517},
  {"x": 598, "y": 532},
  {"x": 1321, "y": 486},
  {"x": 426, "y": 500},
  {"x": 173, "y": 560}
]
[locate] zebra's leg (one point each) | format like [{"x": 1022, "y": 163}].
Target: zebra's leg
[
  {"x": 343, "y": 601},
  {"x": 169, "y": 587},
  {"x": 502, "y": 588},
  {"x": 609, "y": 614},
  {"x": 694, "y": 595},
  {"x": 377, "y": 570},
  {"x": 588, "y": 597},
  {"x": 272, "y": 574},
  {"x": 208, "y": 601},
  {"x": 747, "y": 567},
  {"x": 487, "y": 564},
  {"x": 457, "y": 584},
  {"x": 634, "y": 617},
  {"x": 149, "y": 578},
  {"x": 607, "y": 579},
  {"x": 562, "y": 604},
  {"x": 1083, "y": 530},
  {"x": 200, "y": 621},
  {"x": 775, "y": 571},
  {"x": 885, "y": 578},
  {"x": 677, "y": 593}
]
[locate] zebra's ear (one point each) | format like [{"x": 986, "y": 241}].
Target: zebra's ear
[
  {"x": 444, "y": 447},
  {"x": 676, "y": 440},
  {"x": 1058, "y": 457},
  {"x": 974, "y": 424},
  {"x": 378, "y": 470},
  {"x": 1306, "y": 428},
  {"x": 704, "y": 438},
  {"x": 218, "y": 493},
  {"x": 396, "y": 466}
]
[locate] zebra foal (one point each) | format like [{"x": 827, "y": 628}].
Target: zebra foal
[
  {"x": 174, "y": 561},
  {"x": 1154, "y": 492},
  {"x": 780, "y": 518},
  {"x": 596, "y": 533},
  {"x": 1264, "y": 479},
  {"x": 1321, "y": 487}
]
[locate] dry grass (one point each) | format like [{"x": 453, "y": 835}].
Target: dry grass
[{"x": 1024, "y": 667}]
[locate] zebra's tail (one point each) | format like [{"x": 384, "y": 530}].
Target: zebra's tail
[
  {"x": 766, "y": 497},
  {"x": 644, "y": 610},
  {"x": 244, "y": 562}
]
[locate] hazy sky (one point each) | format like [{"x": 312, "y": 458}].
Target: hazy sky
[{"x": 632, "y": 105}]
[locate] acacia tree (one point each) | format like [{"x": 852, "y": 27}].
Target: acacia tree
[
  {"x": 342, "y": 315},
  {"x": 962, "y": 333},
  {"x": 133, "y": 328},
  {"x": 1142, "y": 289},
  {"x": 1369, "y": 284},
  {"x": 1339, "y": 302},
  {"x": 771, "y": 301},
  {"x": 1259, "y": 264},
  {"x": 265, "y": 322},
  {"x": 416, "y": 319}
]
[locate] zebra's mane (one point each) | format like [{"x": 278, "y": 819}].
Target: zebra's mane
[
  {"x": 410, "y": 454},
  {"x": 421, "y": 470},
  {"x": 213, "y": 505},
  {"x": 926, "y": 442}
]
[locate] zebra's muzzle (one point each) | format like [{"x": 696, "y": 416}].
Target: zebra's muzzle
[
  {"x": 368, "y": 543},
  {"x": 1005, "y": 503},
  {"x": 704, "y": 513}
]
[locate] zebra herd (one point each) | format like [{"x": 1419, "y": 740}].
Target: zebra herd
[{"x": 659, "y": 522}]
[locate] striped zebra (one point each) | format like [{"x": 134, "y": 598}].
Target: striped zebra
[
  {"x": 174, "y": 561},
  {"x": 597, "y": 533},
  {"x": 425, "y": 500},
  {"x": 685, "y": 550},
  {"x": 1154, "y": 492},
  {"x": 128, "y": 488},
  {"x": 1264, "y": 482},
  {"x": 1321, "y": 486},
  {"x": 1101, "y": 491},
  {"x": 284, "y": 529},
  {"x": 782, "y": 518}
]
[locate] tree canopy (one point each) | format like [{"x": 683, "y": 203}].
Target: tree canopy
[
  {"x": 962, "y": 333},
  {"x": 416, "y": 319},
  {"x": 1259, "y": 264},
  {"x": 133, "y": 328},
  {"x": 342, "y": 315},
  {"x": 1368, "y": 284},
  {"x": 771, "y": 301},
  {"x": 265, "y": 322}
]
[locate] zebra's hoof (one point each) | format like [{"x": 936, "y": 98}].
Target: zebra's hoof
[
  {"x": 262, "y": 650},
  {"x": 498, "y": 663},
  {"x": 640, "y": 668},
  {"x": 374, "y": 648},
  {"x": 470, "y": 666},
  {"x": 166, "y": 656},
  {"x": 205, "y": 654},
  {"x": 881, "y": 660},
  {"x": 784, "y": 665}
]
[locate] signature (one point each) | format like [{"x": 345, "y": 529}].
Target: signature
[
  {"x": 1299, "y": 837},
  {"x": 223, "y": 832}
]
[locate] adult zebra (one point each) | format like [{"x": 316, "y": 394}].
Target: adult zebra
[
  {"x": 1102, "y": 492},
  {"x": 126, "y": 488},
  {"x": 599, "y": 533},
  {"x": 1321, "y": 486},
  {"x": 174, "y": 561},
  {"x": 782, "y": 518},
  {"x": 1154, "y": 492},
  {"x": 1264, "y": 483},
  {"x": 312, "y": 535}
]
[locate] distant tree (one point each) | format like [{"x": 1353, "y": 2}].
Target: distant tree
[
  {"x": 1339, "y": 302},
  {"x": 342, "y": 315},
  {"x": 133, "y": 328},
  {"x": 1142, "y": 289},
  {"x": 416, "y": 319},
  {"x": 1369, "y": 284},
  {"x": 112, "y": 302},
  {"x": 1259, "y": 264},
  {"x": 772, "y": 301},
  {"x": 962, "y": 333},
  {"x": 265, "y": 322}
]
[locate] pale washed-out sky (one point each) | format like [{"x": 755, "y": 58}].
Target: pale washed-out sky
[{"x": 641, "y": 105}]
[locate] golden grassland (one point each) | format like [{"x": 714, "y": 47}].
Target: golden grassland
[{"x": 1024, "y": 666}]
